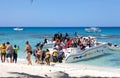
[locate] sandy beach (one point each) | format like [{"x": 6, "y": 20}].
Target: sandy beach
[
  {"x": 55, "y": 70},
  {"x": 76, "y": 38}
]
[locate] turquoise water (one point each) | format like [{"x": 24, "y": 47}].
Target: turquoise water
[{"x": 36, "y": 34}]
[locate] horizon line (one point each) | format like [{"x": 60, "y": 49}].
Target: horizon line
[{"x": 59, "y": 26}]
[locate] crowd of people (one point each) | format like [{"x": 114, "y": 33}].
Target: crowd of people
[
  {"x": 45, "y": 55},
  {"x": 78, "y": 41},
  {"x": 60, "y": 43},
  {"x": 9, "y": 52}
]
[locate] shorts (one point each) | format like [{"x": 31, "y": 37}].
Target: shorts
[
  {"x": 8, "y": 55},
  {"x": 14, "y": 56},
  {"x": 3, "y": 54}
]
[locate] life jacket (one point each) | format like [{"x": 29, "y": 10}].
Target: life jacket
[
  {"x": 69, "y": 43},
  {"x": 55, "y": 53},
  {"x": 47, "y": 54},
  {"x": 57, "y": 41}
]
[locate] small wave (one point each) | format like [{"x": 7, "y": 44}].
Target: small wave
[{"x": 103, "y": 35}]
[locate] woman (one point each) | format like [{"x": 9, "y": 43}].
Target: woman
[
  {"x": 28, "y": 49},
  {"x": 9, "y": 52},
  {"x": 40, "y": 53},
  {"x": 39, "y": 56}
]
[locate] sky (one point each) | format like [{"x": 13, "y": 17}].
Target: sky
[{"x": 68, "y": 13}]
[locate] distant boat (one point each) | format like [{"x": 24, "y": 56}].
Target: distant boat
[
  {"x": 93, "y": 29},
  {"x": 114, "y": 47},
  {"x": 18, "y": 29}
]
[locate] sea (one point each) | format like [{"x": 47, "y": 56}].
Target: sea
[{"x": 37, "y": 34}]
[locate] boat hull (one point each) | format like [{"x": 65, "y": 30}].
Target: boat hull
[
  {"x": 86, "y": 54},
  {"x": 114, "y": 48}
]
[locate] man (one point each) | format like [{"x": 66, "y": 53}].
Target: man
[
  {"x": 15, "y": 53},
  {"x": 9, "y": 52}
]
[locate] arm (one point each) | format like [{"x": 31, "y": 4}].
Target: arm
[
  {"x": 25, "y": 49},
  {"x": 18, "y": 48},
  {"x": 7, "y": 48}
]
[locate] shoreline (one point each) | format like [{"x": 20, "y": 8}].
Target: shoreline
[
  {"x": 23, "y": 60},
  {"x": 21, "y": 69}
]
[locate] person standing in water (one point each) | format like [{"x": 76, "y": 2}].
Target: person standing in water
[
  {"x": 15, "y": 53},
  {"x": 28, "y": 49}
]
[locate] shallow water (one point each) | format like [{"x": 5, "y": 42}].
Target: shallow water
[{"x": 34, "y": 35}]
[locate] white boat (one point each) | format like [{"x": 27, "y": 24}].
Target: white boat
[
  {"x": 93, "y": 29},
  {"x": 75, "y": 54},
  {"x": 18, "y": 29},
  {"x": 114, "y": 47}
]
